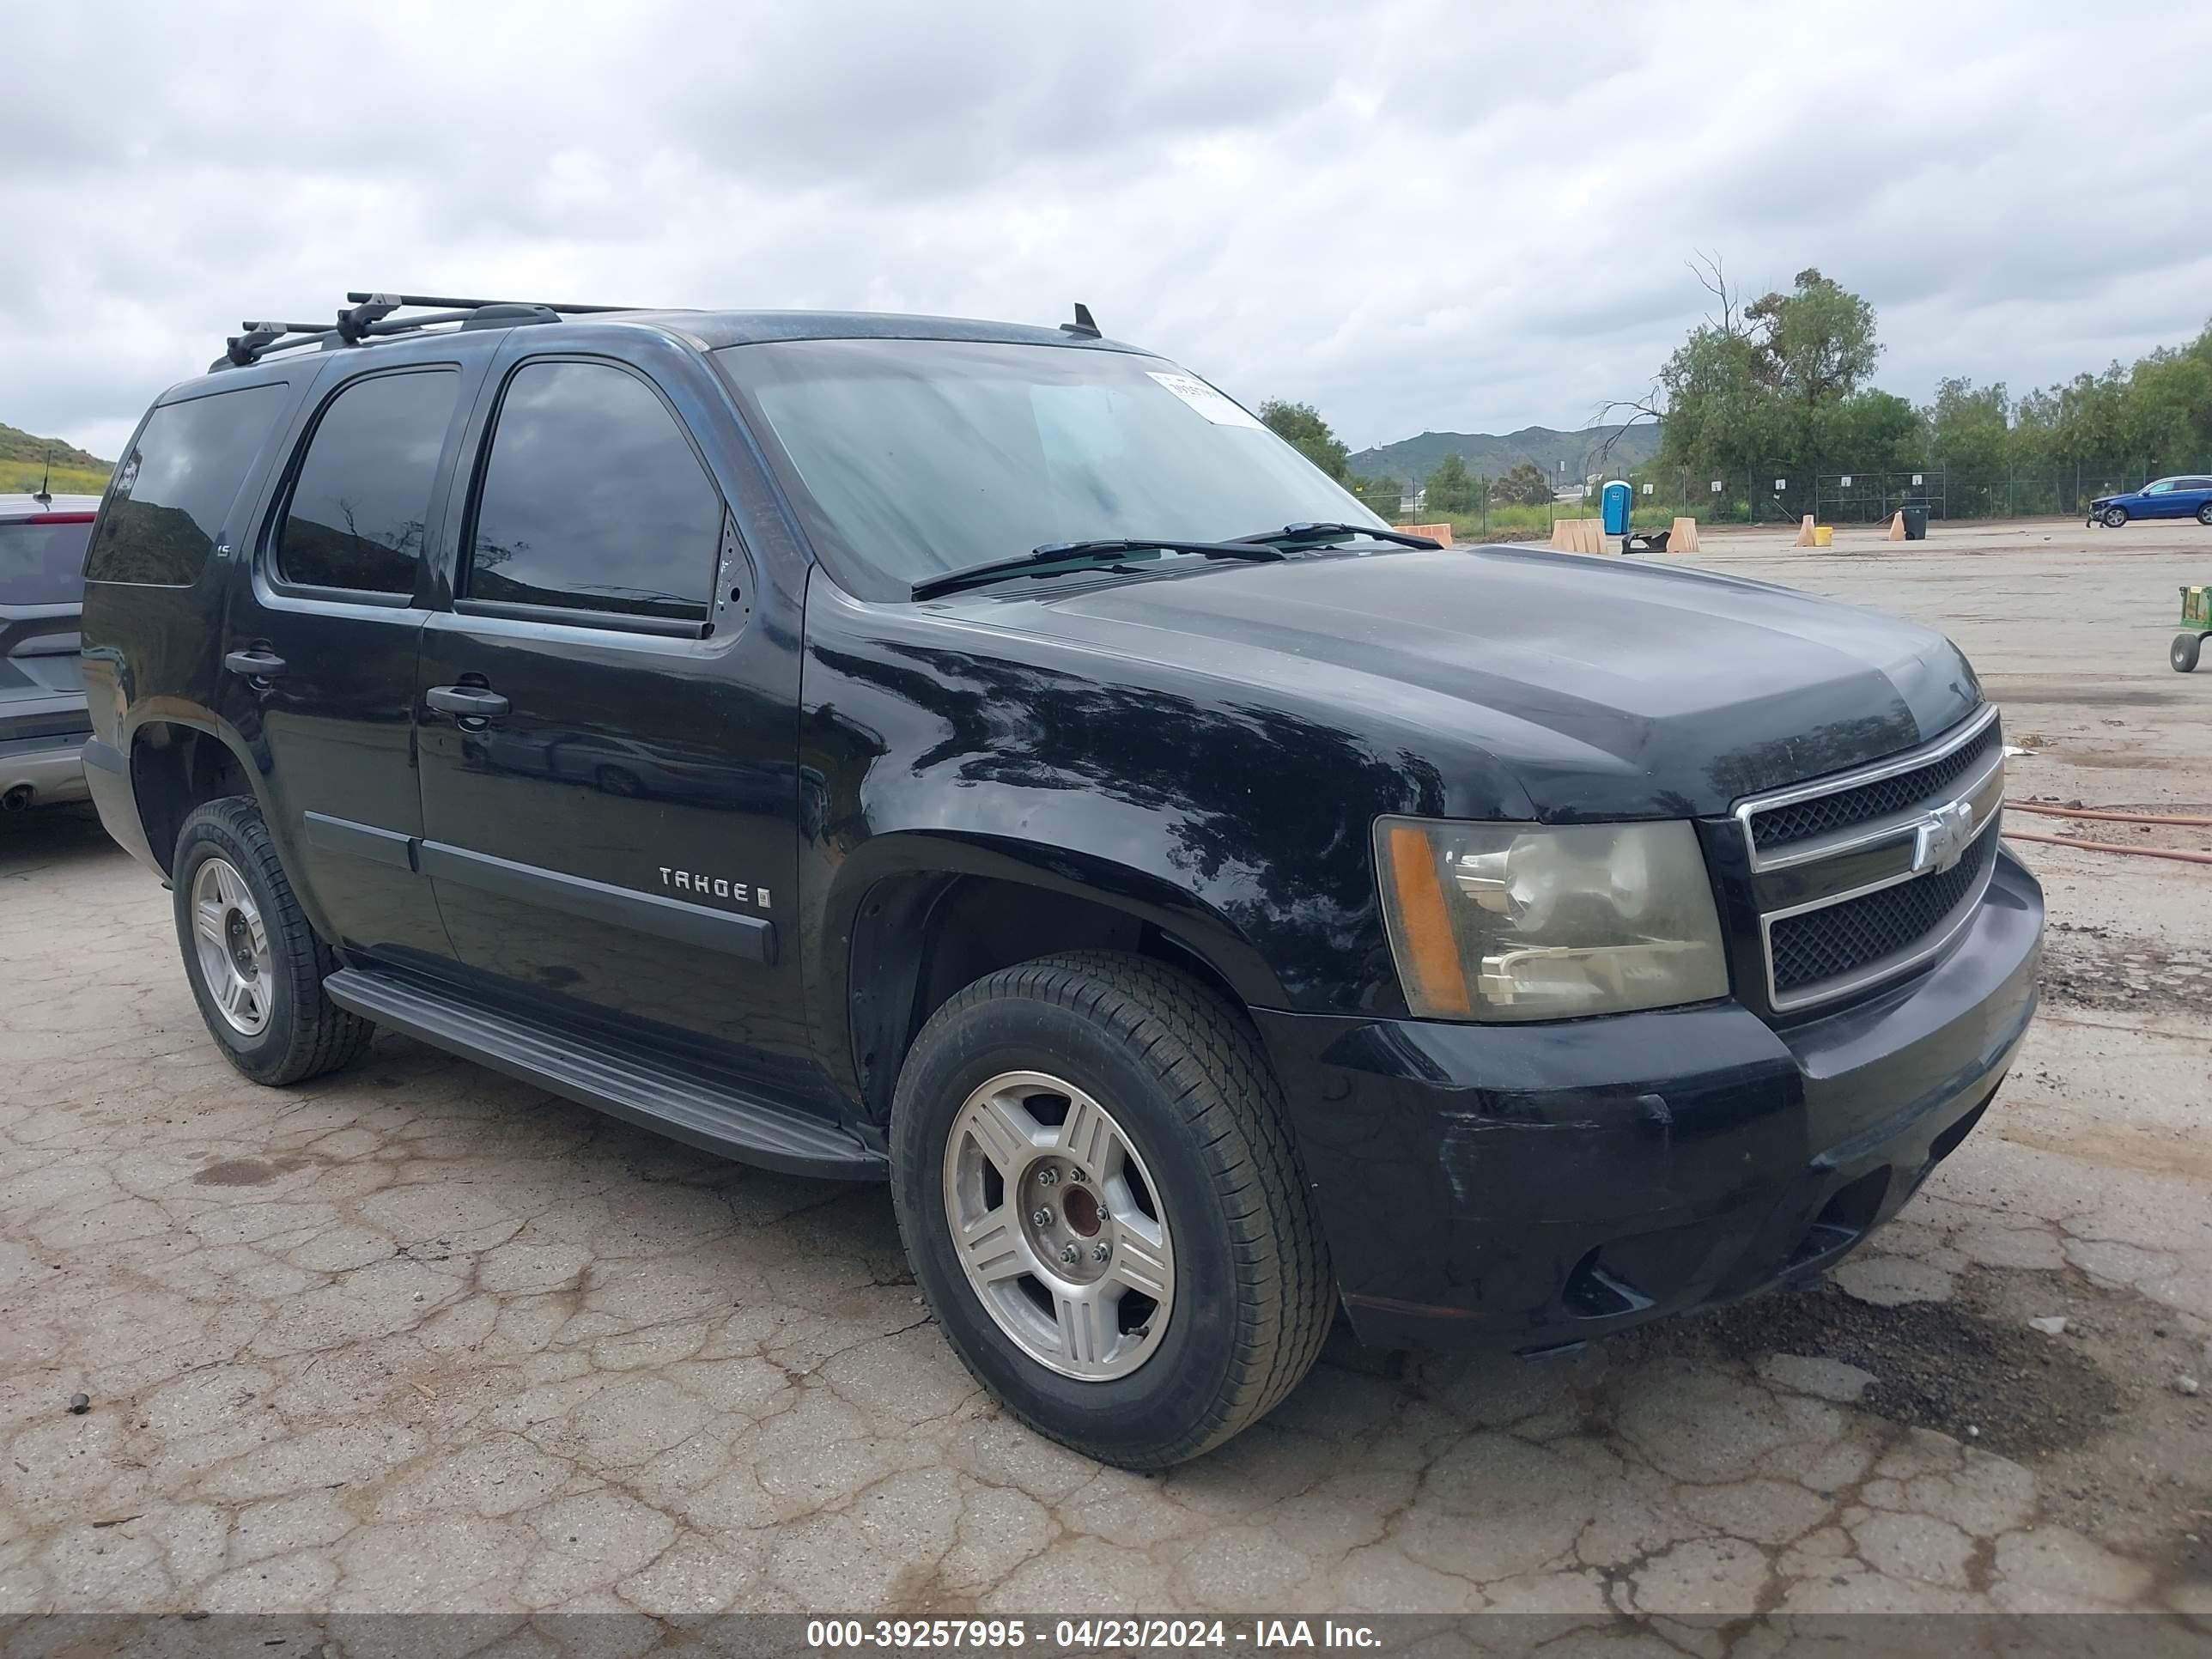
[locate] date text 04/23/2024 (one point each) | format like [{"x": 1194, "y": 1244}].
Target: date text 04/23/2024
[{"x": 1085, "y": 1635}]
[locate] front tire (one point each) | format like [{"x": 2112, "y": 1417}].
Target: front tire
[
  {"x": 2115, "y": 517},
  {"x": 2183, "y": 653},
  {"x": 255, "y": 965},
  {"x": 1096, "y": 1187}
]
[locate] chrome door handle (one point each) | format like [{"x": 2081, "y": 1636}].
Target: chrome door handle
[
  {"x": 467, "y": 702},
  {"x": 257, "y": 663}
]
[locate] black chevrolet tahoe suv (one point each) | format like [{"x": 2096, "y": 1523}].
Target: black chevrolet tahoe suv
[{"x": 983, "y": 758}]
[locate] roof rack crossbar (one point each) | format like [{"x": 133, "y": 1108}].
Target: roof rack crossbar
[
  {"x": 472, "y": 305},
  {"x": 369, "y": 317}
]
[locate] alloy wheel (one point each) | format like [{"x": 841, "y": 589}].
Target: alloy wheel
[
  {"x": 233, "y": 946},
  {"x": 1059, "y": 1226}
]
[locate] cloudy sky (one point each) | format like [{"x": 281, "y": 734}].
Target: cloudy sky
[{"x": 1414, "y": 213}]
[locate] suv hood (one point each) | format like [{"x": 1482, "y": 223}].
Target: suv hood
[{"x": 1601, "y": 689}]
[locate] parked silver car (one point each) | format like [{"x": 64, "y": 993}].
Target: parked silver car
[{"x": 43, "y": 725}]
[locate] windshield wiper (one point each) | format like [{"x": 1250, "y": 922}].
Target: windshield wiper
[
  {"x": 1086, "y": 556},
  {"x": 1295, "y": 535}
]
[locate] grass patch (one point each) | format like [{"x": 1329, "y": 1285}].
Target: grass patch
[
  {"x": 21, "y": 477},
  {"x": 1522, "y": 524}
]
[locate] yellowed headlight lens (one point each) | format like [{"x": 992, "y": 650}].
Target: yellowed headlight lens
[{"x": 1520, "y": 921}]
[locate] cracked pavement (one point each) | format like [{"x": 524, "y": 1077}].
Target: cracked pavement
[{"x": 418, "y": 1337}]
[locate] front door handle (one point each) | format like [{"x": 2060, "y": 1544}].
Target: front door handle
[
  {"x": 467, "y": 702},
  {"x": 255, "y": 663}
]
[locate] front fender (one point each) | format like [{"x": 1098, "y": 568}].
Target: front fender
[{"x": 1239, "y": 827}]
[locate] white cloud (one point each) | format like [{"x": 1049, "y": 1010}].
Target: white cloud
[{"x": 1415, "y": 214}]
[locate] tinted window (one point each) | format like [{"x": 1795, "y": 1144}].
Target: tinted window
[
  {"x": 355, "y": 519},
  {"x": 171, "y": 492},
  {"x": 42, "y": 563},
  {"x": 921, "y": 456},
  {"x": 593, "y": 499}
]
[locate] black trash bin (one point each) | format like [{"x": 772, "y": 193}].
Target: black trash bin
[{"x": 1915, "y": 521}]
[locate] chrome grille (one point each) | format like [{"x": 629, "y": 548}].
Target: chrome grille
[
  {"x": 1861, "y": 877},
  {"x": 1841, "y": 939},
  {"x": 1823, "y": 815}
]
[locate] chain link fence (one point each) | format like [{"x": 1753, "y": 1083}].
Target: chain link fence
[{"x": 1783, "y": 494}]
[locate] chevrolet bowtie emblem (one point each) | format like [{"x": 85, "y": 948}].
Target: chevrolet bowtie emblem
[{"x": 1943, "y": 837}]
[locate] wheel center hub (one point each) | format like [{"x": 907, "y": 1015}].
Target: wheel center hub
[
  {"x": 1062, "y": 1215},
  {"x": 1081, "y": 1207},
  {"x": 240, "y": 938}
]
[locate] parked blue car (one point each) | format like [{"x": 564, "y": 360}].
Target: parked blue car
[{"x": 2168, "y": 498}]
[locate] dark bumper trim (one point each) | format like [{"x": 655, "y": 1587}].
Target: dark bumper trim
[{"x": 1537, "y": 1185}]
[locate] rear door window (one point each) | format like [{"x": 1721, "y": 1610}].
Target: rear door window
[
  {"x": 357, "y": 508},
  {"x": 172, "y": 491},
  {"x": 43, "y": 562},
  {"x": 593, "y": 500}
]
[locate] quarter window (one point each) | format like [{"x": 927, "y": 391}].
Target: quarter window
[
  {"x": 357, "y": 513},
  {"x": 593, "y": 500},
  {"x": 42, "y": 563},
  {"x": 174, "y": 488}
]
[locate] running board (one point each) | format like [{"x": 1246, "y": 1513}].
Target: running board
[{"x": 586, "y": 1067}]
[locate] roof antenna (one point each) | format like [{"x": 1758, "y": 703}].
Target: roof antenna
[
  {"x": 45, "y": 496},
  {"x": 1082, "y": 326}
]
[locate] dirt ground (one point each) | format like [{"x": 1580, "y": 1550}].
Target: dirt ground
[{"x": 416, "y": 1336}]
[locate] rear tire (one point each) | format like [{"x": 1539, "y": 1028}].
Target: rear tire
[
  {"x": 1168, "y": 1105},
  {"x": 2115, "y": 517},
  {"x": 2183, "y": 653},
  {"x": 2205, "y": 515},
  {"x": 256, "y": 966}
]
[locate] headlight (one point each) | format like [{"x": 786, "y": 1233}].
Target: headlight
[{"x": 1498, "y": 921}]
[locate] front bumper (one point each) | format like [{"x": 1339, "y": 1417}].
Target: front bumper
[
  {"x": 1530, "y": 1186},
  {"x": 51, "y": 768}
]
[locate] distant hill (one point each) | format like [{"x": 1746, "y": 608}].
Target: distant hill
[
  {"x": 23, "y": 464},
  {"x": 1413, "y": 458},
  {"x": 19, "y": 445}
]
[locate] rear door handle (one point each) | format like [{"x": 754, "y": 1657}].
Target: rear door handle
[
  {"x": 467, "y": 702},
  {"x": 257, "y": 663}
]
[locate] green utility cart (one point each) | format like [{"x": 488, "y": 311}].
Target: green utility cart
[{"x": 2196, "y": 624}]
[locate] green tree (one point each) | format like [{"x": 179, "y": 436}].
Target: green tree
[
  {"x": 1772, "y": 383},
  {"x": 2168, "y": 417},
  {"x": 1816, "y": 343},
  {"x": 1970, "y": 427},
  {"x": 1525, "y": 485},
  {"x": 1378, "y": 495},
  {"x": 1451, "y": 488},
  {"x": 1874, "y": 431},
  {"x": 1300, "y": 425},
  {"x": 1718, "y": 413}
]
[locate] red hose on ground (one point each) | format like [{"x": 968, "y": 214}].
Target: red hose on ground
[
  {"x": 2175, "y": 854},
  {"x": 2049, "y": 812}
]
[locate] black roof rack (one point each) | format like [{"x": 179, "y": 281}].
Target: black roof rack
[{"x": 369, "y": 317}]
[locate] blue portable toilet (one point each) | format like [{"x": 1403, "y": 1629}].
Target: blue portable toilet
[{"x": 1616, "y": 495}]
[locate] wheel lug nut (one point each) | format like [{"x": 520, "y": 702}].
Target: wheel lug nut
[
  {"x": 1100, "y": 1252},
  {"x": 1041, "y": 1216},
  {"x": 1067, "y": 1253},
  {"x": 1048, "y": 1177},
  {"x": 1078, "y": 1177}
]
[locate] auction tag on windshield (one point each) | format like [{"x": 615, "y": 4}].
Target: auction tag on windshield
[{"x": 1204, "y": 399}]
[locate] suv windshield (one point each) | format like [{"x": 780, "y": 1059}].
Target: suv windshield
[
  {"x": 43, "y": 562},
  {"x": 924, "y": 456}
]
